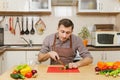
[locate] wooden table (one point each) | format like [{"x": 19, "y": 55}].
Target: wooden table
[{"x": 86, "y": 73}]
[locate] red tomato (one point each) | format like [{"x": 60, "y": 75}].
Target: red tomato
[
  {"x": 104, "y": 67},
  {"x": 115, "y": 67},
  {"x": 14, "y": 72},
  {"x": 28, "y": 75},
  {"x": 110, "y": 67}
]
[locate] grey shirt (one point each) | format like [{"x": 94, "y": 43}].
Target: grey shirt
[{"x": 77, "y": 45}]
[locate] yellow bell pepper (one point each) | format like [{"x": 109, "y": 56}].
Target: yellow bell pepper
[
  {"x": 25, "y": 70},
  {"x": 109, "y": 63}
]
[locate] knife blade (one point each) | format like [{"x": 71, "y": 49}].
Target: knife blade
[{"x": 59, "y": 61}]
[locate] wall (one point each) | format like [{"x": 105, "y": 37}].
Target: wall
[{"x": 51, "y": 22}]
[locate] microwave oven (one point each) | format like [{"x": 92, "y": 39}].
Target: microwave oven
[{"x": 105, "y": 38}]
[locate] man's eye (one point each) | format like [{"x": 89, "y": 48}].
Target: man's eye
[
  {"x": 62, "y": 31},
  {"x": 68, "y": 32}
]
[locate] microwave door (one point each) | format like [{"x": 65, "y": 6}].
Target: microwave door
[
  {"x": 118, "y": 38},
  {"x": 105, "y": 38}
]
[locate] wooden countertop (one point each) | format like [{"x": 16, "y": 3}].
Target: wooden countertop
[
  {"x": 86, "y": 73},
  {"x": 37, "y": 48},
  {"x": 104, "y": 48}
]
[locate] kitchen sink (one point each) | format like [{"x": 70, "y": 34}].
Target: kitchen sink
[
  {"x": 17, "y": 46},
  {"x": 25, "y": 46}
]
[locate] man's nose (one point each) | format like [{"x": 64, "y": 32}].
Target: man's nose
[{"x": 64, "y": 35}]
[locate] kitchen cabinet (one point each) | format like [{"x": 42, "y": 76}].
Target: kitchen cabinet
[
  {"x": 0, "y": 64},
  {"x": 101, "y": 6},
  {"x": 25, "y": 7},
  {"x": 88, "y": 6},
  {"x": 40, "y": 5},
  {"x": 109, "y": 5},
  {"x": 2, "y": 5},
  {"x": 97, "y": 56},
  {"x": 17, "y": 5},
  {"x": 12, "y": 58},
  {"x": 32, "y": 58},
  {"x": 105, "y": 56},
  {"x": 14, "y": 5},
  {"x": 112, "y": 55}
]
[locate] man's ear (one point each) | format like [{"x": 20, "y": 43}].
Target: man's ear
[{"x": 58, "y": 28}]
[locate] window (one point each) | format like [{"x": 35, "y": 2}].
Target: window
[{"x": 60, "y": 11}]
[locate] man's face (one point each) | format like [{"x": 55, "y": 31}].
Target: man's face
[{"x": 64, "y": 33}]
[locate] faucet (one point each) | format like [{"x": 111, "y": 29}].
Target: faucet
[{"x": 28, "y": 42}]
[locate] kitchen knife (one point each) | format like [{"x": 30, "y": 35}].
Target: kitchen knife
[{"x": 59, "y": 61}]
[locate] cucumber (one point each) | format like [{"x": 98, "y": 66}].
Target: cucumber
[
  {"x": 17, "y": 76},
  {"x": 66, "y": 67},
  {"x": 14, "y": 76}
]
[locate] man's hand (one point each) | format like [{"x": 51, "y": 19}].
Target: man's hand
[
  {"x": 54, "y": 55},
  {"x": 73, "y": 65}
]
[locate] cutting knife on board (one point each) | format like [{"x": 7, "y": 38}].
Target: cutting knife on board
[{"x": 59, "y": 61}]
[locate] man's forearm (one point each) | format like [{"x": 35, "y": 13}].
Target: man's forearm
[
  {"x": 43, "y": 57},
  {"x": 84, "y": 62}
]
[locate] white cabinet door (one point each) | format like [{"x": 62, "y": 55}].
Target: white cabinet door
[
  {"x": 0, "y": 63},
  {"x": 2, "y": 5},
  {"x": 99, "y": 6},
  {"x": 40, "y": 5},
  {"x": 108, "y": 56},
  {"x": 17, "y": 5},
  {"x": 97, "y": 56},
  {"x": 32, "y": 58},
  {"x": 88, "y": 6},
  {"x": 112, "y": 55},
  {"x": 12, "y": 58},
  {"x": 109, "y": 6}
]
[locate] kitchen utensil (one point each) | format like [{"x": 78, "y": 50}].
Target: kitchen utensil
[
  {"x": 40, "y": 26},
  {"x": 59, "y": 61},
  {"x": 22, "y": 31},
  {"x": 17, "y": 23},
  {"x": 2, "y": 18},
  {"x": 10, "y": 24},
  {"x": 32, "y": 29},
  {"x": 27, "y": 31}
]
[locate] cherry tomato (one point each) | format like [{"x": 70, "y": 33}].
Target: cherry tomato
[
  {"x": 115, "y": 67},
  {"x": 28, "y": 75},
  {"x": 14, "y": 72}
]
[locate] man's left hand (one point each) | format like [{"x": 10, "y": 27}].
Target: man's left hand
[{"x": 73, "y": 65}]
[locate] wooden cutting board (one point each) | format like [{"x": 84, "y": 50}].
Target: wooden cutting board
[{"x": 58, "y": 69}]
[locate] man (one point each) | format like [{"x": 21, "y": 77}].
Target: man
[{"x": 63, "y": 45}]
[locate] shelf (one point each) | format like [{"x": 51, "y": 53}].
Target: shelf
[
  {"x": 98, "y": 13},
  {"x": 16, "y": 13}
]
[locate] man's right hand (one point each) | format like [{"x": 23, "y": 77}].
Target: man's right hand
[{"x": 54, "y": 55}]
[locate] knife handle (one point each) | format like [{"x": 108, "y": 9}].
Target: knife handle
[{"x": 56, "y": 58}]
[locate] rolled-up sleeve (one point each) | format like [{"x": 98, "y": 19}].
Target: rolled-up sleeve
[
  {"x": 83, "y": 51},
  {"x": 45, "y": 46}
]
